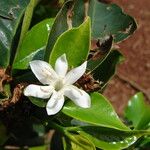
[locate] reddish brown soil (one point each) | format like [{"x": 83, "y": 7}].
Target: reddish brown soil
[{"x": 134, "y": 74}]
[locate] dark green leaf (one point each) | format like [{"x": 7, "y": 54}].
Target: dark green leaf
[
  {"x": 110, "y": 139},
  {"x": 38, "y": 102},
  {"x": 107, "y": 68},
  {"x": 33, "y": 45},
  {"x": 138, "y": 111},
  {"x": 107, "y": 19},
  {"x": 145, "y": 142},
  {"x": 8, "y": 27},
  {"x": 59, "y": 26},
  {"x": 74, "y": 43},
  {"x": 101, "y": 113}
]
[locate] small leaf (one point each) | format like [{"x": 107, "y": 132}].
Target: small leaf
[
  {"x": 33, "y": 44},
  {"x": 138, "y": 111},
  {"x": 38, "y": 102},
  {"x": 83, "y": 143},
  {"x": 101, "y": 113},
  {"x": 74, "y": 43}
]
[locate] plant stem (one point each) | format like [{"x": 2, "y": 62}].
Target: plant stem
[
  {"x": 65, "y": 131},
  {"x": 57, "y": 127}
]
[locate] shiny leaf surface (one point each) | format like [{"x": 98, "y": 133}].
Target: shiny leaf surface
[
  {"x": 33, "y": 45},
  {"x": 138, "y": 111},
  {"x": 110, "y": 139},
  {"x": 12, "y": 12},
  {"x": 75, "y": 43},
  {"x": 101, "y": 113}
]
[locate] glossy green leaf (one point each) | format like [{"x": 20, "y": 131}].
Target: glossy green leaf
[
  {"x": 138, "y": 111},
  {"x": 59, "y": 26},
  {"x": 101, "y": 113},
  {"x": 107, "y": 68},
  {"x": 3, "y": 134},
  {"x": 107, "y": 19},
  {"x": 13, "y": 12},
  {"x": 33, "y": 45},
  {"x": 110, "y": 139},
  {"x": 75, "y": 43}
]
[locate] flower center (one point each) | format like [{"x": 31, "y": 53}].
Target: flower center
[{"x": 59, "y": 84}]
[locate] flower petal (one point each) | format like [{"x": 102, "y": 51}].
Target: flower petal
[
  {"x": 73, "y": 75},
  {"x": 43, "y": 71},
  {"x": 78, "y": 96},
  {"x": 55, "y": 103},
  {"x": 38, "y": 91},
  {"x": 61, "y": 65}
]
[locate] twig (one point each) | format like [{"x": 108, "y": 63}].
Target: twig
[
  {"x": 86, "y": 8},
  {"x": 133, "y": 85},
  {"x": 69, "y": 17}
]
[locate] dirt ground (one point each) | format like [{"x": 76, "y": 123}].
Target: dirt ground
[{"x": 134, "y": 74}]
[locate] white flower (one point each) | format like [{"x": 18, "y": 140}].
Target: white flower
[{"x": 57, "y": 84}]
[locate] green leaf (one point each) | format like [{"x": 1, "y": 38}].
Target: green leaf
[
  {"x": 33, "y": 44},
  {"x": 27, "y": 20},
  {"x": 75, "y": 43},
  {"x": 3, "y": 134},
  {"x": 38, "y": 102},
  {"x": 138, "y": 111},
  {"x": 106, "y": 19},
  {"x": 101, "y": 113},
  {"x": 145, "y": 142},
  {"x": 109, "y": 19},
  {"x": 13, "y": 10},
  {"x": 107, "y": 68},
  {"x": 110, "y": 139},
  {"x": 78, "y": 143},
  {"x": 59, "y": 26}
]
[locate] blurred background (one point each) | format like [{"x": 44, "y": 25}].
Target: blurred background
[{"x": 133, "y": 74}]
